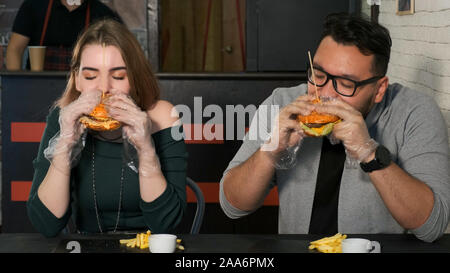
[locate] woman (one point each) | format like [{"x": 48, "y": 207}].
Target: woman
[
  {"x": 88, "y": 176},
  {"x": 55, "y": 24}
]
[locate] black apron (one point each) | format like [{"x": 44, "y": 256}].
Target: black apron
[{"x": 58, "y": 58}]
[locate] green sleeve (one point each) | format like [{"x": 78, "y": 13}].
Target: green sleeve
[
  {"x": 42, "y": 219},
  {"x": 165, "y": 213}
]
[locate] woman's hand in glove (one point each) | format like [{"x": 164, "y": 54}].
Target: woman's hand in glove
[
  {"x": 64, "y": 148},
  {"x": 136, "y": 124},
  {"x": 70, "y": 127}
]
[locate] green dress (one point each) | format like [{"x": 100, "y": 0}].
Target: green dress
[{"x": 161, "y": 215}]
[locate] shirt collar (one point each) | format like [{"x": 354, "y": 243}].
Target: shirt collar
[{"x": 81, "y": 7}]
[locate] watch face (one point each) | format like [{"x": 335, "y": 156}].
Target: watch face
[
  {"x": 383, "y": 156},
  {"x": 382, "y": 160}
]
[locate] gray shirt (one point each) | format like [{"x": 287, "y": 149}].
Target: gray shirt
[{"x": 407, "y": 122}]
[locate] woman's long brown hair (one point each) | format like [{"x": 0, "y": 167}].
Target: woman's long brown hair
[{"x": 144, "y": 87}]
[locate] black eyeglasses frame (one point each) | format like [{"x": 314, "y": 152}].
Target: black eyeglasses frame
[{"x": 333, "y": 79}]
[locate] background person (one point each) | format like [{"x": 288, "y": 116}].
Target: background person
[{"x": 55, "y": 24}]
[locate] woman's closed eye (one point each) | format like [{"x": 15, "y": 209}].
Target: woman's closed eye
[
  {"x": 89, "y": 75},
  {"x": 119, "y": 75}
]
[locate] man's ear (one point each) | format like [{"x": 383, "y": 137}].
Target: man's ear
[{"x": 382, "y": 86}]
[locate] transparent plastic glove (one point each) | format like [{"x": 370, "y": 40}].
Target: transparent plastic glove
[
  {"x": 63, "y": 145},
  {"x": 131, "y": 158},
  {"x": 69, "y": 123},
  {"x": 352, "y": 130},
  {"x": 349, "y": 161},
  {"x": 136, "y": 132},
  {"x": 333, "y": 140},
  {"x": 357, "y": 142},
  {"x": 286, "y": 158},
  {"x": 68, "y": 143},
  {"x": 130, "y": 155},
  {"x": 287, "y": 135}
]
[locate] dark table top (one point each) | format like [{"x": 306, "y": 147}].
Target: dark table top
[{"x": 212, "y": 243}]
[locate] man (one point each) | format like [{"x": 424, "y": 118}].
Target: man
[{"x": 398, "y": 135}]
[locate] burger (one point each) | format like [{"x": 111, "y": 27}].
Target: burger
[
  {"x": 317, "y": 125},
  {"x": 99, "y": 120}
]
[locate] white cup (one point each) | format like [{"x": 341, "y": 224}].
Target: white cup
[
  {"x": 162, "y": 243},
  {"x": 358, "y": 245}
]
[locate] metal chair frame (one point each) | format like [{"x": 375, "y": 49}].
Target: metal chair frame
[{"x": 200, "y": 211}]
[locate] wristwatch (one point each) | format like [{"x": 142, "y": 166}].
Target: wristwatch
[{"x": 382, "y": 160}]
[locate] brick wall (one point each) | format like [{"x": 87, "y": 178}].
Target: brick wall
[{"x": 420, "y": 56}]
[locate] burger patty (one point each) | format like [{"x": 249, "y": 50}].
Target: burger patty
[
  {"x": 315, "y": 125},
  {"x": 98, "y": 118}
]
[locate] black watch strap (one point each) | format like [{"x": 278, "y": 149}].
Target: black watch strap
[{"x": 382, "y": 160}]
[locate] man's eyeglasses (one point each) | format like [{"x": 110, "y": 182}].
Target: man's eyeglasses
[{"x": 343, "y": 86}]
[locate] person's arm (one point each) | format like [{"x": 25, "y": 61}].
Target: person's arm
[
  {"x": 54, "y": 191},
  {"x": 16, "y": 47},
  {"x": 151, "y": 178},
  {"x": 162, "y": 161},
  {"x": 415, "y": 188},
  {"x": 44, "y": 220},
  {"x": 23, "y": 28},
  {"x": 162, "y": 171},
  {"x": 246, "y": 185},
  {"x": 164, "y": 212},
  {"x": 409, "y": 200},
  {"x": 48, "y": 203}
]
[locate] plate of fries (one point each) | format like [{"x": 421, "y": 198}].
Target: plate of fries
[
  {"x": 141, "y": 241},
  {"x": 331, "y": 244}
]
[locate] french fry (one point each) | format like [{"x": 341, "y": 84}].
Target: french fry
[
  {"x": 328, "y": 244},
  {"x": 141, "y": 241},
  {"x": 130, "y": 243},
  {"x": 144, "y": 241},
  {"x": 125, "y": 241}
]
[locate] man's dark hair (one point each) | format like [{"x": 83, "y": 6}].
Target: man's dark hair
[{"x": 369, "y": 37}]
